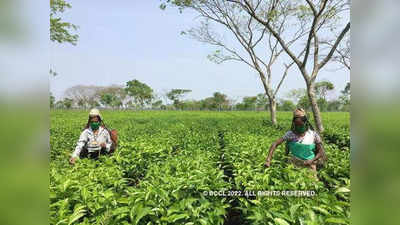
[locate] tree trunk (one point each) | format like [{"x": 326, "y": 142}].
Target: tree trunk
[
  {"x": 315, "y": 108},
  {"x": 272, "y": 102},
  {"x": 272, "y": 110}
]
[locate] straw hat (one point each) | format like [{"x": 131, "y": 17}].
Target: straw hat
[{"x": 94, "y": 112}]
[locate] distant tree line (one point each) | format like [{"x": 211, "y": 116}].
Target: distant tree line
[{"x": 138, "y": 96}]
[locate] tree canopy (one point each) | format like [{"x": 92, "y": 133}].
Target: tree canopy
[
  {"x": 142, "y": 93},
  {"x": 61, "y": 31},
  {"x": 175, "y": 96}
]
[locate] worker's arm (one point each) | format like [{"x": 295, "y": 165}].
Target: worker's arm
[
  {"x": 320, "y": 152},
  {"x": 79, "y": 145},
  {"x": 108, "y": 143},
  {"x": 272, "y": 150}
]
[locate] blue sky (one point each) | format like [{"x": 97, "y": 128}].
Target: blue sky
[{"x": 125, "y": 40}]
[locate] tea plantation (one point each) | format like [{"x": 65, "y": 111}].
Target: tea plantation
[{"x": 167, "y": 163}]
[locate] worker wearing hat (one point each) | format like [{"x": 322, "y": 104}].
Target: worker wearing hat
[
  {"x": 302, "y": 142},
  {"x": 94, "y": 140}
]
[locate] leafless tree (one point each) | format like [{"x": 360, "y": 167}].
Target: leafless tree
[
  {"x": 89, "y": 96},
  {"x": 342, "y": 53},
  {"x": 83, "y": 96},
  {"x": 252, "y": 40},
  {"x": 322, "y": 39}
]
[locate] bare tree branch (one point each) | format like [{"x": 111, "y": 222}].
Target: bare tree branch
[
  {"x": 312, "y": 32},
  {"x": 287, "y": 67},
  {"x": 333, "y": 49},
  {"x": 324, "y": 19},
  {"x": 251, "y": 11},
  {"x": 343, "y": 54}
]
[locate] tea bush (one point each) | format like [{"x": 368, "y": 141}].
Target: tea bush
[{"x": 167, "y": 160}]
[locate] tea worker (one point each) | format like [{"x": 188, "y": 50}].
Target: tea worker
[
  {"x": 302, "y": 142},
  {"x": 94, "y": 140}
]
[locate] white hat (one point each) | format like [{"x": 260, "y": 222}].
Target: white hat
[{"x": 94, "y": 112}]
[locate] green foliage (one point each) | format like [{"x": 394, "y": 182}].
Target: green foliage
[
  {"x": 346, "y": 90},
  {"x": 220, "y": 100},
  {"x": 272, "y": 15},
  {"x": 296, "y": 94},
  {"x": 141, "y": 92},
  {"x": 208, "y": 103},
  {"x": 322, "y": 88},
  {"x": 175, "y": 95},
  {"x": 304, "y": 103},
  {"x": 345, "y": 97},
  {"x": 262, "y": 102},
  {"x": 181, "y": 4},
  {"x": 322, "y": 104},
  {"x": 67, "y": 103},
  {"x": 52, "y": 100},
  {"x": 111, "y": 96},
  {"x": 107, "y": 99},
  {"x": 248, "y": 103},
  {"x": 246, "y": 147},
  {"x": 60, "y": 31},
  {"x": 334, "y": 106},
  {"x": 286, "y": 105},
  {"x": 304, "y": 13},
  {"x": 157, "y": 104},
  {"x": 166, "y": 160}
]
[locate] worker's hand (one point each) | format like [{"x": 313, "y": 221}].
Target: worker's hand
[
  {"x": 103, "y": 145},
  {"x": 308, "y": 162},
  {"x": 267, "y": 164},
  {"x": 72, "y": 160}
]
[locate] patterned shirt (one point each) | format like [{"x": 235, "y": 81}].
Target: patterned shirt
[
  {"x": 310, "y": 137},
  {"x": 87, "y": 136}
]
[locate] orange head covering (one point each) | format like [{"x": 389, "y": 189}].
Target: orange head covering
[{"x": 299, "y": 112}]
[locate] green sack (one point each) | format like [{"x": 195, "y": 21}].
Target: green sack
[{"x": 302, "y": 151}]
